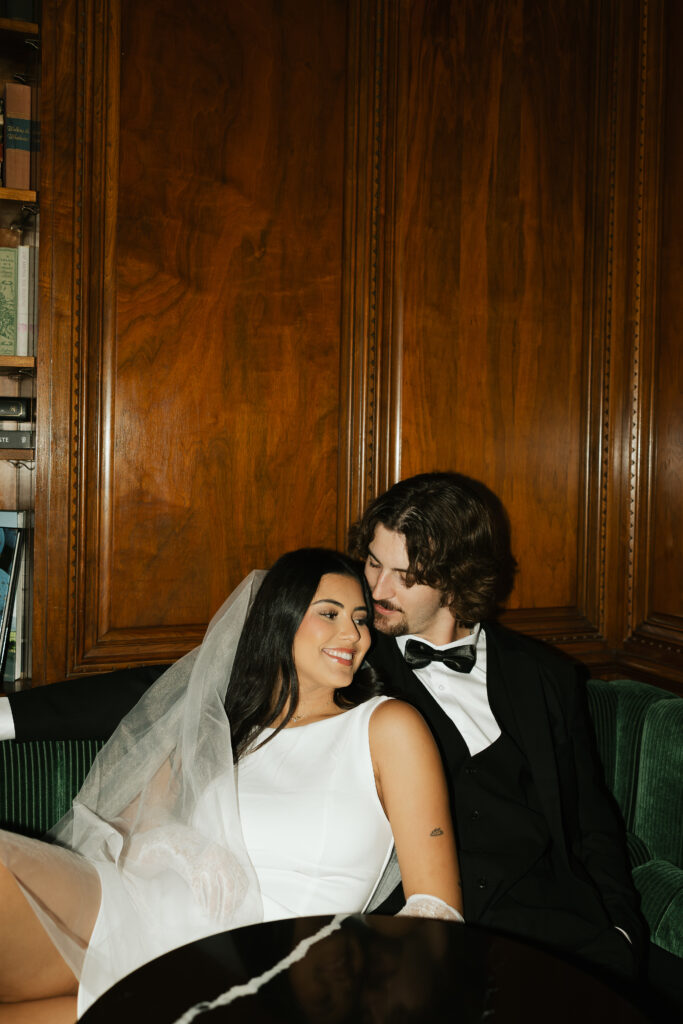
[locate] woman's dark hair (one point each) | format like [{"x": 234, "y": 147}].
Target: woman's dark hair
[
  {"x": 457, "y": 540},
  {"x": 263, "y": 682}
]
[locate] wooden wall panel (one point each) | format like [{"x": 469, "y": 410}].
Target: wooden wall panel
[
  {"x": 295, "y": 251},
  {"x": 225, "y": 347},
  {"x": 492, "y": 232},
  {"x": 205, "y": 394},
  {"x": 516, "y": 273}
]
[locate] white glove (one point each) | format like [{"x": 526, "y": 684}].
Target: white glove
[
  {"x": 213, "y": 875},
  {"x": 422, "y": 905}
]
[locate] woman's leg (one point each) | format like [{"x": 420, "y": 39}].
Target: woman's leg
[{"x": 30, "y": 965}]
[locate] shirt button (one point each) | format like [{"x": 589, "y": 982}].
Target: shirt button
[
  {"x": 442, "y": 688},
  {"x": 474, "y": 815},
  {"x": 482, "y": 882},
  {"x": 470, "y": 771}
]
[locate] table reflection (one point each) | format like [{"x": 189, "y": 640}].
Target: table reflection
[{"x": 360, "y": 970}]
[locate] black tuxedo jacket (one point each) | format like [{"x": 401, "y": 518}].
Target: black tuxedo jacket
[{"x": 546, "y": 705}]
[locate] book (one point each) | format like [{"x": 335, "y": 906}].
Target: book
[
  {"x": 8, "y": 301},
  {"x": 17, "y": 157},
  {"x": 35, "y": 137},
  {"x": 13, "y": 526},
  {"x": 13, "y": 407},
  {"x": 30, "y": 236},
  {"x": 2, "y": 137},
  {"x": 17, "y": 438},
  {"x": 23, "y": 300}
]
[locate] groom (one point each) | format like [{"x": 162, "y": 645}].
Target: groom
[{"x": 541, "y": 851}]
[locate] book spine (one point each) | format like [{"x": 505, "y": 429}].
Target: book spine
[
  {"x": 11, "y": 555},
  {"x": 2, "y": 137},
  {"x": 15, "y": 408},
  {"x": 17, "y": 135},
  {"x": 23, "y": 298},
  {"x": 35, "y": 137},
  {"x": 17, "y": 438},
  {"x": 8, "y": 301},
  {"x": 30, "y": 238}
]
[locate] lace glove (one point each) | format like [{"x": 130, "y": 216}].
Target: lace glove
[
  {"x": 213, "y": 875},
  {"x": 422, "y": 905}
]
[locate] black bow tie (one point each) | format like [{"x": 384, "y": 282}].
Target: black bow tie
[{"x": 460, "y": 659}]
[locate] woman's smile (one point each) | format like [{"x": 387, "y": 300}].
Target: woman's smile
[{"x": 333, "y": 638}]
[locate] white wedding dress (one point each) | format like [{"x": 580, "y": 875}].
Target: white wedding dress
[
  {"x": 313, "y": 828},
  {"x": 313, "y": 824}
]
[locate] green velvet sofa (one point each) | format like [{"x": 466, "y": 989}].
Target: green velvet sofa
[{"x": 639, "y": 732}]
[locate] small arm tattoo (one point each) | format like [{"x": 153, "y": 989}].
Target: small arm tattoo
[{"x": 436, "y": 832}]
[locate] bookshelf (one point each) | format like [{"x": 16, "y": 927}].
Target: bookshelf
[
  {"x": 20, "y": 62},
  {"x": 20, "y": 371},
  {"x": 15, "y": 27}
]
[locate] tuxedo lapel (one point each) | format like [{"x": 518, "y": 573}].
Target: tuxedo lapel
[
  {"x": 400, "y": 681},
  {"x": 525, "y": 716}
]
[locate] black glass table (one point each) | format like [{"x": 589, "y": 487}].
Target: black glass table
[{"x": 362, "y": 970}]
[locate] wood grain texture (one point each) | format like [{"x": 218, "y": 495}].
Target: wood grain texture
[
  {"x": 493, "y": 232},
  {"x": 206, "y": 329},
  {"x": 294, "y": 251},
  {"x": 222, "y": 436}
]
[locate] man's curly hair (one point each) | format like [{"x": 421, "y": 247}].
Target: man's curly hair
[{"x": 457, "y": 539}]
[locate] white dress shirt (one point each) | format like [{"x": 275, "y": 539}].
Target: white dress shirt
[{"x": 462, "y": 695}]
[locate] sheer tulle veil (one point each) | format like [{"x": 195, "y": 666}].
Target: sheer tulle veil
[{"x": 156, "y": 820}]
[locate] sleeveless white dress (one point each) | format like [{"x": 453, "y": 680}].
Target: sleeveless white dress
[
  {"x": 314, "y": 831},
  {"x": 313, "y": 824}
]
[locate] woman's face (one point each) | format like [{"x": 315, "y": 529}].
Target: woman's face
[{"x": 333, "y": 637}]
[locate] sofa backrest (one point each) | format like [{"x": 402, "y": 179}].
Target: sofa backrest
[
  {"x": 658, "y": 816},
  {"x": 631, "y": 720},
  {"x": 39, "y": 779}
]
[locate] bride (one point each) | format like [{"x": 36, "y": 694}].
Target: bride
[{"x": 187, "y": 826}]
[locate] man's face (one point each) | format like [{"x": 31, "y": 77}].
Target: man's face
[{"x": 400, "y": 609}]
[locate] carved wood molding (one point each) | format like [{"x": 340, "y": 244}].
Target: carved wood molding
[
  {"x": 93, "y": 343},
  {"x": 80, "y": 276},
  {"x": 370, "y": 332},
  {"x": 649, "y": 634},
  {"x": 598, "y": 339},
  {"x": 640, "y": 436}
]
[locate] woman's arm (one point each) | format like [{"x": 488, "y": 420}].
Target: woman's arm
[{"x": 412, "y": 788}]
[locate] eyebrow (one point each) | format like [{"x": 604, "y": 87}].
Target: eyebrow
[
  {"x": 330, "y": 600},
  {"x": 373, "y": 555}
]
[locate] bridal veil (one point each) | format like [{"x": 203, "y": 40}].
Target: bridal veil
[{"x": 155, "y": 827}]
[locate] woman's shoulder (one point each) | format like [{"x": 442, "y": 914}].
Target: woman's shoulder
[
  {"x": 392, "y": 715},
  {"x": 398, "y": 734}
]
